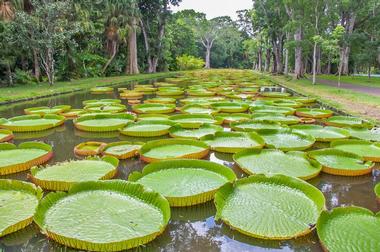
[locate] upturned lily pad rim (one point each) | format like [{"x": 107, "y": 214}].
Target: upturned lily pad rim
[
  {"x": 195, "y": 124},
  {"x": 356, "y": 130},
  {"x": 310, "y": 138},
  {"x": 29, "y": 128},
  {"x": 285, "y": 119},
  {"x": 131, "y": 189},
  {"x": 275, "y": 94},
  {"x": 330, "y": 121},
  {"x": 149, "y": 132},
  {"x": 25, "y": 187},
  {"x": 98, "y": 107},
  {"x": 160, "y": 108},
  {"x": 9, "y": 135},
  {"x": 100, "y": 90},
  {"x": 142, "y": 117},
  {"x": 342, "y": 131},
  {"x": 78, "y": 149},
  {"x": 345, "y": 210},
  {"x": 59, "y": 108},
  {"x": 236, "y": 125},
  {"x": 190, "y": 106},
  {"x": 101, "y": 101},
  {"x": 377, "y": 191},
  {"x": 272, "y": 109},
  {"x": 178, "y": 128},
  {"x": 163, "y": 100},
  {"x": 188, "y": 200},
  {"x": 305, "y": 112},
  {"x": 309, "y": 190},
  {"x": 224, "y": 116},
  {"x": 243, "y": 153},
  {"x": 157, "y": 143},
  {"x": 57, "y": 185},
  {"x": 124, "y": 155},
  {"x": 222, "y": 134},
  {"x": 367, "y": 165},
  {"x": 122, "y": 116},
  {"x": 230, "y": 107},
  {"x": 336, "y": 143}
]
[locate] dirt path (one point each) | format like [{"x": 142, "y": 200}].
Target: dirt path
[{"x": 367, "y": 90}]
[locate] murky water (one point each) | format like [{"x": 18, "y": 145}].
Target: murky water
[{"x": 191, "y": 228}]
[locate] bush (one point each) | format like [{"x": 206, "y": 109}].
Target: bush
[
  {"x": 23, "y": 77},
  {"x": 188, "y": 62}
]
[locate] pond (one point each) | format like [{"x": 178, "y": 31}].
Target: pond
[{"x": 190, "y": 228}]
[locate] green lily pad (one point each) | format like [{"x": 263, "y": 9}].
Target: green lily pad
[
  {"x": 205, "y": 129},
  {"x": 275, "y": 94},
  {"x": 271, "y": 207},
  {"x": 287, "y": 139},
  {"x": 347, "y": 121},
  {"x": 170, "y": 92},
  {"x": 29, "y": 123},
  {"x": 5, "y": 135},
  {"x": 377, "y": 191},
  {"x": 103, "y": 122},
  {"x": 287, "y": 103},
  {"x": 314, "y": 113},
  {"x": 184, "y": 182},
  {"x": 349, "y": 229},
  {"x": 15, "y": 159},
  {"x": 72, "y": 113},
  {"x": 162, "y": 100},
  {"x": 276, "y": 117},
  {"x": 151, "y": 117},
  {"x": 365, "y": 134},
  {"x": 200, "y": 92},
  {"x": 153, "y": 108},
  {"x": 101, "y": 90},
  {"x": 173, "y": 149},
  {"x": 338, "y": 162},
  {"x": 293, "y": 163},
  {"x": 253, "y": 125},
  {"x": 47, "y": 110},
  {"x": 272, "y": 109},
  {"x": 101, "y": 102},
  {"x": 194, "y": 120},
  {"x": 147, "y": 128},
  {"x": 232, "y": 117},
  {"x": 122, "y": 150},
  {"x": 19, "y": 202},
  {"x": 323, "y": 134},
  {"x": 232, "y": 142},
  {"x": 61, "y": 176},
  {"x": 197, "y": 109},
  {"x": 370, "y": 151},
  {"x": 108, "y": 108},
  {"x": 230, "y": 107},
  {"x": 103, "y": 215}
]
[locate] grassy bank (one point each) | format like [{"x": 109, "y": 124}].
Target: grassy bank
[
  {"x": 351, "y": 102},
  {"x": 21, "y": 92},
  {"x": 355, "y": 80}
]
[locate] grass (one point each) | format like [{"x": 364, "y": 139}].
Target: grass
[
  {"x": 9, "y": 94},
  {"x": 350, "y": 102},
  {"x": 355, "y": 80}
]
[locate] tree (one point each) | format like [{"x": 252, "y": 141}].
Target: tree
[{"x": 207, "y": 32}]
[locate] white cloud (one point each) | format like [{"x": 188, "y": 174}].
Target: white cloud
[{"x": 215, "y": 8}]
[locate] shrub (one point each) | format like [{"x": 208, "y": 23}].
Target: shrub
[{"x": 188, "y": 62}]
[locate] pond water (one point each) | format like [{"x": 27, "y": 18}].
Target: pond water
[{"x": 190, "y": 228}]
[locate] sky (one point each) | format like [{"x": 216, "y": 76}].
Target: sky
[{"x": 215, "y": 8}]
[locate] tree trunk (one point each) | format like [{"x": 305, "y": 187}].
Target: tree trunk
[
  {"x": 298, "y": 66},
  {"x": 132, "y": 65},
  {"x": 37, "y": 70},
  {"x": 114, "y": 51},
  {"x": 318, "y": 60},
  {"x": 260, "y": 60},
  {"x": 9, "y": 73},
  {"x": 267, "y": 60},
  {"x": 50, "y": 71},
  {"x": 207, "y": 58},
  {"x": 314, "y": 62},
  {"x": 345, "y": 50}
]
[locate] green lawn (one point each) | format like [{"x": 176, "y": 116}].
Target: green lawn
[
  {"x": 351, "y": 102},
  {"x": 356, "y": 80},
  {"x": 43, "y": 89}
]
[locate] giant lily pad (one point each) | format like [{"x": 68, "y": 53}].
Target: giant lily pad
[
  {"x": 368, "y": 150},
  {"x": 91, "y": 148},
  {"x": 232, "y": 142},
  {"x": 153, "y": 108},
  {"x": 131, "y": 95},
  {"x": 293, "y": 163},
  {"x": 195, "y": 120},
  {"x": 270, "y": 207},
  {"x": 272, "y": 109},
  {"x": 151, "y": 117},
  {"x": 184, "y": 182},
  {"x": 323, "y": 134},
  {"x": 5, "y": 135},
  {"x": 253, "y": 125},
  {"x": 347, "y": 121},
  {"x": 103, "y": 216},
  {"x": 72, "y": 113},
  {"x": 162, "y": 100},
  {"x": 197, "y": 109},
  {"x": 275, "y": 94},
  {"x": 230, "y": 107},
  {"x": 170, "y": 92},
  {"x": 276, "y": 117},
  {"x": 338, "y": 162},
  {"x": 200, "y": 92},
  {"x": 349, "y": 229},
  {"x": 103, "y": 122},
  {"x": 19, "y": 201},
  {"x": 101, "y": 102},
  {"x": 365, "y": 134},
  {"x": 314, "y": 113},
  {"x": 108, "y": 108},
  {"x": 47, "y": 110},
  {"x": 146, "y": 128},
  {"x": 122, "y": 150},
  {"x": 287, "y": 139},
  {"x": 101, "y": 90},
  {"x": 61, "y": 176},
  {"x": 173, "y": 149},
  {"x": 20, "y": 158},
  {"x": 29, "y": 123},
  {"x": 206, "y": 129},
  {"x": 377, "y": 191},
  {"x": 232, "y": 117}
]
